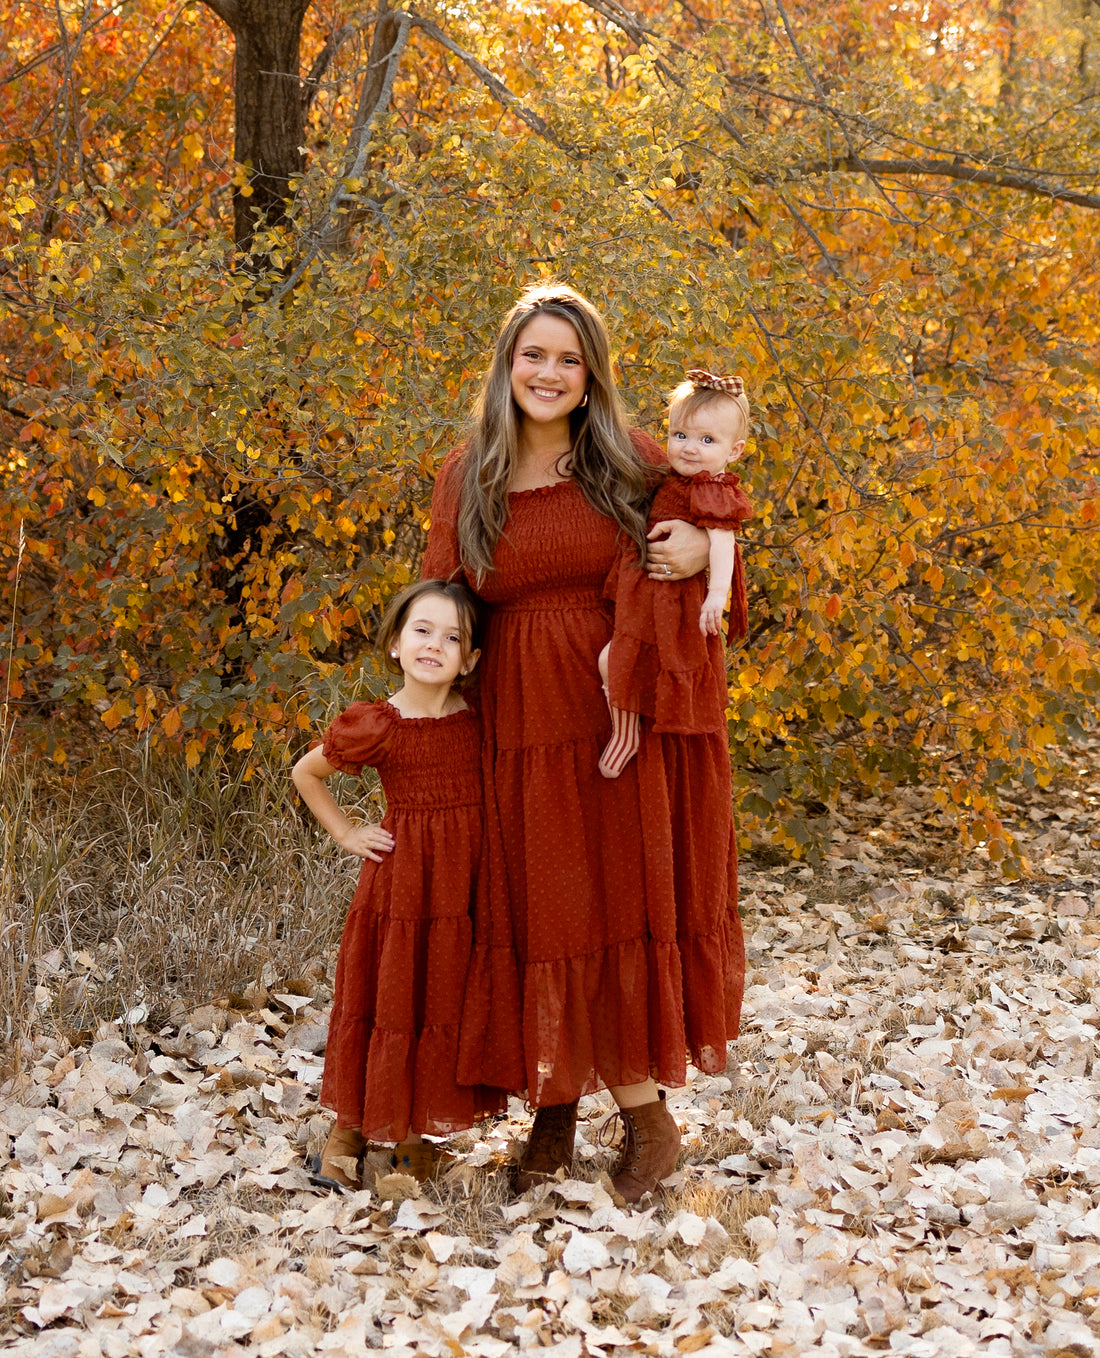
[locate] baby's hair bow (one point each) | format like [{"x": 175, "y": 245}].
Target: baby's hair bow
[{"x": 699, "y": 377}]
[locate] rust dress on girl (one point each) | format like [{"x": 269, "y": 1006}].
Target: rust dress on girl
[
  {"x": 392, "y": 1048},
  {"x": 607, "y": 944}
]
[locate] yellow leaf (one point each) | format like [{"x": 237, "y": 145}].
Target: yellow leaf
[
  {"x": 192, "y": 149},
  {"x": 114, "y": 714}
]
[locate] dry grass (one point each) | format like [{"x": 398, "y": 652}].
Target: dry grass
[
  {"x": 149, "y": 884},
  {"x": 730, "y": 1208}
]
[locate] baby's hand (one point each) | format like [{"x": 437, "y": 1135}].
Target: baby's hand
[
  {"x": 363, "y": 840},
  {"x": 710, "y": 617}
]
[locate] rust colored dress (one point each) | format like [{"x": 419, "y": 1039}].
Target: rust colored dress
[
  {"x": 607, "y": 945},
  {"x": 661, "y": 664},
  {"x": 392, "y": 1049}
]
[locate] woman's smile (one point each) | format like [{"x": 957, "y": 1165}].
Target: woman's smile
[{"x": 549, "y": 374}]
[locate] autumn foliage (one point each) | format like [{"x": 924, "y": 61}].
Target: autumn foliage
[{"x": 218, "y": 451}]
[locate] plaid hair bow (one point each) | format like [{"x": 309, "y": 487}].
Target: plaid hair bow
[{"x": 699, "y": 377}]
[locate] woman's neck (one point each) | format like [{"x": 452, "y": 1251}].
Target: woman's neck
[{"x": 543, "y": 449}]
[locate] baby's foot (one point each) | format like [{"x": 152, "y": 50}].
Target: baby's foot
[{"x": 623, "y": 745}]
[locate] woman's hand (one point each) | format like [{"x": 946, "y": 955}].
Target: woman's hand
[
  {"x": 676, "y": 550},
  {"x": 366, "y": 841}
]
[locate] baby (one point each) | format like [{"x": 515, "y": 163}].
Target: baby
[{"x": 661, "y": 662}]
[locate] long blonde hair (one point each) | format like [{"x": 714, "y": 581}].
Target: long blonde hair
[{"x": 613, "y": 478}]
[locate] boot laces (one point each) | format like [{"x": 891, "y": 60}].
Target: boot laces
[
  {"x": 605, "y": 1135},
  {"x": 632, "y": 1141}
]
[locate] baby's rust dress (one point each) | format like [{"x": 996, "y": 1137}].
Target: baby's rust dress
[{"x": 661, "y": 664}]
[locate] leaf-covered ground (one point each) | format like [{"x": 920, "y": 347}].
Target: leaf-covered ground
[{"x": 903, "y": 1155}]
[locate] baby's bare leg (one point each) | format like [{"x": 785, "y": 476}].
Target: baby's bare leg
[{"x": 625, "y": 729}]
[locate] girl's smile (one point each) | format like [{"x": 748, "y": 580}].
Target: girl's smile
[{"x": 431, "y": 648}]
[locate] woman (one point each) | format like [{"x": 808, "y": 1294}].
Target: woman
[{"x": 607, "y": 943}]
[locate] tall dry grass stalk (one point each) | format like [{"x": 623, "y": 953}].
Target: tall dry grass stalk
[
  {"x": 13, "y": 959},
  {"x": 145, "y": 883}
]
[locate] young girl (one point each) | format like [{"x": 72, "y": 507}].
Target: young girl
[
  {"x": 392, "y": 1048},
  {"x": 659, "y": 662}
]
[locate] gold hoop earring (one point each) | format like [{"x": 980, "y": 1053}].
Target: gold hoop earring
[{"x": 584, "y": 402}]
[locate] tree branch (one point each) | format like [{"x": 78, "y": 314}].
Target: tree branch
[
  {"x": 132, "y": 82},
  {"x": 496, "y": 87},
  {"x": 853, "y": 163},
  {"x": 950, "y": 169},
  {"x": 324, "y": 57},
  {"x": 226, "y": 10},
  {"x": 391, "y": 32},
  {"x": 630, "y": 24},
  {"x": 55, "y": 47}
]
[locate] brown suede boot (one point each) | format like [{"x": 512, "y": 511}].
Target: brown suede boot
[
  {"x": 549, "y": 1147},
  {"x": 423, "y": 1160},
  {"x": 650, "y": 1149},
  {"x": 331, "y": 1167}
]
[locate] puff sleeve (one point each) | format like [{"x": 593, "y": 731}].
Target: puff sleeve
[
  {"x": 442, "y": 560},
  {"x": 719, "y": 502},
  {"x": 360, "y": 737}
]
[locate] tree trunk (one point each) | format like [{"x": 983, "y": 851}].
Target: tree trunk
[{"x": 270, "y": 108}]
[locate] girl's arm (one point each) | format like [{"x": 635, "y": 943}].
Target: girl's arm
[
  {"x": 680, "y": 546},
  {"x": 723, "y": 547},
  {"x": 364, "y": 841}
]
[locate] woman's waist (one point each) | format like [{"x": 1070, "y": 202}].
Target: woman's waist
[{"x": 558, "y": 600}]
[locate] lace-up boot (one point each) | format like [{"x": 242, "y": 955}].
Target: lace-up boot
[
  {"x": 651, "y": 1148},
  {"x": 549, "y": 1147}
]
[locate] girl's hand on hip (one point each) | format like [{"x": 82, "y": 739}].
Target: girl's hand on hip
[
  {"x": 367, "y": 841},
  {"x": 676, "y": 550}
]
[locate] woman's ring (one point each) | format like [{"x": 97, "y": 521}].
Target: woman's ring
[{"x": 668, "y": 569}]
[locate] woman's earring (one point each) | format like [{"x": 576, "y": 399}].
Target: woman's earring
[
  {"x": 393, "y": 655},
  {"x": 584, "y": 402}
]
